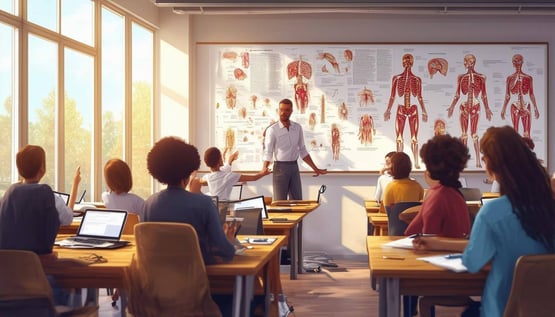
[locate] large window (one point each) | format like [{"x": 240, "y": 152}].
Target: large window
[{"x": 83, "y": 103}]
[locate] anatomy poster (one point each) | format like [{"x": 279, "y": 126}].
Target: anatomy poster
[{"x": 357, "y": 102}]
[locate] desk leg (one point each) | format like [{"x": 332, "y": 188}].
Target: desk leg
[
  {"x": 393, "y": 297},
  {"x": 123, "y": 299},
  {"x": 294, "y": 244},
  {"x": 242, "y": 295},
  {"x": 300, "y": 259}
]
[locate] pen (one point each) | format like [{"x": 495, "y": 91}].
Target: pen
[
  {"x": 454, "y": 256},
  {"x": 389, "y": 257}
]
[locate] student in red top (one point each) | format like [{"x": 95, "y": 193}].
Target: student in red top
[{"x": 444, "y": 211}]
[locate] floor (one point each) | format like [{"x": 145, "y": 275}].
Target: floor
[{"x": 342, "y": 291}]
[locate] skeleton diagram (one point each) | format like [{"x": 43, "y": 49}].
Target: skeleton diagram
[
  {"x": 299, "y": 69},
  {"x": 520, "y": 93},
  {"x": 471, "y": 84},
  {"x": 366, "y": 129},
  {"x": 335, "y": 142},
  {"x": 403, "y": 87}
]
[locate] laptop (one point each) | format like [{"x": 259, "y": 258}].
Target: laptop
[
  {"x": 82, "y": 197},
  {"x": 485, "y": 200},
  {"x": 252, "y": 221},
  {"x": 236, "y": 192},
  {"x": 321, "y": 190},
  {"x": 253, "y": 202},
  {"x": 64, "y": 196},
  {"x": 99, "y": 228}
]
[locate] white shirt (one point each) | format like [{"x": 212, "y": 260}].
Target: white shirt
[
  {"x": 221, "y": 182},
  {"x": 126, "y": 201},
  {"x": 282, "y": 144},
  {"x": 65, "y": 214},
  {"x": 383, "y": 180}
]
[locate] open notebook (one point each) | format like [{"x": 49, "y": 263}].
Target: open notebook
[{"x": 99, "y": 228}]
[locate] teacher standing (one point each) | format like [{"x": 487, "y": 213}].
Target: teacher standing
[{"x": 284, "y": 143}]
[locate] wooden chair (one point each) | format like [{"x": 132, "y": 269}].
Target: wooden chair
[
  {"x": 408, "y": 214},
  {"x": 25, "y": 291},
  {"x": 168, "y": 276},
  {"x": 533, "y": 287},
  {"x": 132, "y": 220}
]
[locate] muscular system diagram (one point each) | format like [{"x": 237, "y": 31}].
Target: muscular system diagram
[
  {"x": 300, "y": 69},
  {"x": 335, "y": 141},
  {"x": 472, "y": 85},
  {"x": 366, "y": 129},
  {"x": 403, "y": 87},
  {"x": 520, "y": 94}
]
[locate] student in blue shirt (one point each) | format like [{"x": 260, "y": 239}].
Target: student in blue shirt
[{"x": 520, "y": 222}]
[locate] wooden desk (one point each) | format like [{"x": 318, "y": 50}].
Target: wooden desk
[
  {"x": 293, "y": 230},
  {"x": 111, "y": 274},
  {"x": 371, "y": 206},
  {"x": 300, "y": 206},
  {"x": 380, "y": 221},
  {"x": 413, "y": 277}
]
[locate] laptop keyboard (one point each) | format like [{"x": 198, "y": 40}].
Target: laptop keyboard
[{"x": 89, "y": 240}]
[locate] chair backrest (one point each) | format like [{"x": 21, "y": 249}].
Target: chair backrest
[
  {"x": 24, "y": 290},
  {"x": 533, "y": 287},
  {"x": 472, "y": 194},
  {"x": 130, "y": 222},
  {"x": 168, "y": 276},
  {"x": 408, "y": 214},
  {"x": 395, "y": 226}
]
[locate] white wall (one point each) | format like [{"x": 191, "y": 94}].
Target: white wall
[{"x": 338, "y": 227}]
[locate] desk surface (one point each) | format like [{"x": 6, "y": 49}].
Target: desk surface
[
  {"x": 110, "y": 274},
  {"x": 293, "y": 207},
  {"x": 419, "y": 277}
]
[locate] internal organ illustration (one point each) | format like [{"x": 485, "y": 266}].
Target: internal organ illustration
[
  {"x": 245, "y": 59},
  {"x": 331, "y": 59},
  {"x": 437, "y": 65},
  {"x": 343, "y": 111},
  {"x": 404, "y": 86},
  {"x": 239, "y": 74},
  {"x": 439, "y": 127},
  {"x": 348, "y": 54},
  {"x": 300, "y": 69},
  {"x": 520, "y": 94},
  {"x": 366, "y": 129},
  {"x": 312, "y": 120},
  {"x": 230, "y": 55},
  {"x": 366, "y": 97},
  {"x": 242, "y": 112},
  {"x": 472, "y": 84},
  {"x": 253, "y": 100},
  {"x": 335, "y": 142},
  {"x": 231, "y": 97}
]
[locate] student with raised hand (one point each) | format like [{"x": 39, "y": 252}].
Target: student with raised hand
[
  {"x": 444, "y": 211},
  {"x": 220, "y": 180},
  {"x": 520, "y": 222},
  {"x": 119, "y": 180},
  {"x": 171, "y": 161}
]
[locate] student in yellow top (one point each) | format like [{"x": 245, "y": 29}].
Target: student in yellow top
[{"x": 402, "y": 188}]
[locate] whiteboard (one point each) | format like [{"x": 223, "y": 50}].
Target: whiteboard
[{"x": 347, "y": 87}]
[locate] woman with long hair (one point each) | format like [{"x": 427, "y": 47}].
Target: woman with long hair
[{"x": 520, "y": 222}]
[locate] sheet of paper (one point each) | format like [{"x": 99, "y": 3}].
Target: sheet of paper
[
  {"x": 452, "y": 264},
  {"x": 405, "y": 243}
]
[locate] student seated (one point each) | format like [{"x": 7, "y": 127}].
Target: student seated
[
  {"x": 30, "y": 213},
  {"x": 119, "y": 180}
]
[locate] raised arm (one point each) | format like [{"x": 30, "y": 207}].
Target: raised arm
[{"x": 74, "y": 187}]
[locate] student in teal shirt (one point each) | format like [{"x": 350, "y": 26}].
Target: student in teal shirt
[{"x": 520, "y": 222}]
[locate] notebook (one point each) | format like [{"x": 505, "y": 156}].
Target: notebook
[
  {"x": 64, "y": 196},
  {"x": 99, "y": 228},
  {"x": 253, "y": 202}
]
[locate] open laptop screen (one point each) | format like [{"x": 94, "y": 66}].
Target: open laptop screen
[
  {"x": 236, "y": 192},
  {"x": 253, "y": 202},
  {"x": 64, "y": 196},
  {"x": 102, "y": 223}
]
